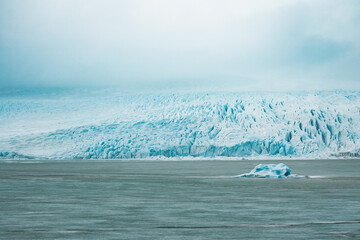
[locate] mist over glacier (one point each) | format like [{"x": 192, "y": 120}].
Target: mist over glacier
[{"x": 109, "y": 124}]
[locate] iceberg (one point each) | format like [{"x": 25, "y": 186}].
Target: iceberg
[{"x": 270, "y": 171}]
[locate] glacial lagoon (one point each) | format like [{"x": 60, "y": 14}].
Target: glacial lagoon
[{"x": 131, "y": 199}]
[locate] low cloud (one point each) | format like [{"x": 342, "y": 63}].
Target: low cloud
[{"x": 245, "y": 45}]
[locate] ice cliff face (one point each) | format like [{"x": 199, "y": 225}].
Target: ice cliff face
[{"x": 108, "y": 124}]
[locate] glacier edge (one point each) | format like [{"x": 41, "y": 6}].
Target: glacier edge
[{"x": 194, "y": 125}]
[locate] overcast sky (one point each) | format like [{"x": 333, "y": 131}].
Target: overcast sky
[{"x": 221, "y": 44}]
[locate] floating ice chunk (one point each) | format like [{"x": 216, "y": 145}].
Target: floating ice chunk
[{"x": 270, "y": 171}]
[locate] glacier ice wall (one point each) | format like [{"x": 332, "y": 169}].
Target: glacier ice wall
[{"x": 106, "y": 124}]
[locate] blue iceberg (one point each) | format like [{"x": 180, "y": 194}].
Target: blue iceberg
[{"x": 270, "y": 171}]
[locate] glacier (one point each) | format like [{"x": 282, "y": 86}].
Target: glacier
[
  {"x": 111, "y": 124},
  {"x": 270, "y": 171}
]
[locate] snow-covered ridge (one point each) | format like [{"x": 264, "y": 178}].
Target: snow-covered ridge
[{"x": 108, "y": 124}]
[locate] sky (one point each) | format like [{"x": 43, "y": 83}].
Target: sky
[{"x": 207, "y": 44}]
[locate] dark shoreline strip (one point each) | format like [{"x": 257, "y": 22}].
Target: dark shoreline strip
[{"x": 263, "y": 225}]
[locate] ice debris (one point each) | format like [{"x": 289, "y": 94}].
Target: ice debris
[{"x": 270, "y": 171}]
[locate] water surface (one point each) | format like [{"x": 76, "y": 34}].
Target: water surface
[{"x": 78, "y": 199}]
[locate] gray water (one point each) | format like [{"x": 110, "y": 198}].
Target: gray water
[{"x": 177, "y": 200}]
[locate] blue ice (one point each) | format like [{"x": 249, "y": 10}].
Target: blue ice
[{"x": 270, "y": 171}]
